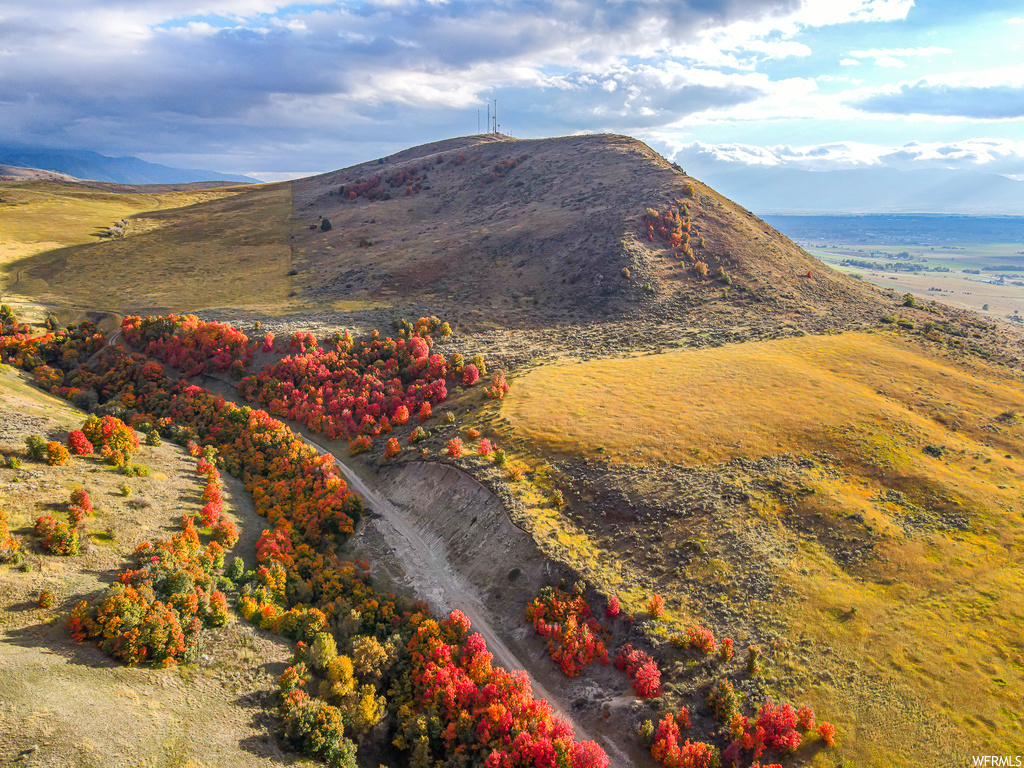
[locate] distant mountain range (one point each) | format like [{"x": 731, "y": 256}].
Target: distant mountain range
[
  {"x": 868, "y": 190},
  {"x": 120, "y": 170}
]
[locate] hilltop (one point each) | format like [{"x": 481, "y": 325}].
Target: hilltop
[{"x": 552, "y": 230}]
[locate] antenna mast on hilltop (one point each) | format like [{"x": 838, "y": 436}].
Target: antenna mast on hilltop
[
  {"x": 488, "y": 116},
  {"x": 495, "y": 115}
]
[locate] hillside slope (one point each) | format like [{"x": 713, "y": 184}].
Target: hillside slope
[{"x": 528, "y": 232}]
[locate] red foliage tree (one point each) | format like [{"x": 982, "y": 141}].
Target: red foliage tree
[{"x": 78, "y": 443}]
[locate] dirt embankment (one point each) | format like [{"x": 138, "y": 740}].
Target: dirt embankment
[{"x": 449, "y": 539}]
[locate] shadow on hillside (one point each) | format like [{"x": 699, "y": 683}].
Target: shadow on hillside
[{"x": 54, "y": 637}]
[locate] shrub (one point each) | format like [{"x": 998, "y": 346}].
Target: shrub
[
  {"x": 10, "y": 547},
  {"x": 425, "y": 412},
  {"x": 613, "y": 608},
  {"x": 642, "y": 669},
  {"x": 700, "y": 638},
  {"x": 126, "y": 490},
  {"x": 217, "y": 615},
  {"x": 323, "y": 650},
  {"x": 827, "y": 731},
  {"x": 35, "y": 447},
  {"x": 472, "y": 433},
  {"x": 316, "y": 728},
  {"x": 779, "y": 724},
  {"x": 78, "y": 443},
  {"x": 392, "y": 448},
  {"x": 46, "y": 598},
  {"x": 499, "y": 457},
  {"x": 515, "y": 474},
  {"x": 725, "y": 653},
  {"x": 153, "y": 438},
  {"x": 484, "y": 447},
  {"x": 571, "y": 631},
  {"x": 112, "y": 433},
  {"x": 656, "y": 606},
  {"x": 722, "y": 276},
  {"x": 700, "y": 269},
  {"x": 235, "y": 570},
  {"x": 498, "y": 387},
  {"x": 667, "y": 750},
  {"x": 556, "y": 498},
  {"x": 401, "y": 415},
  {"x": 805, "y": 716},
  {"x": 225, "y": 533},
  {"x": 56, "y": 454},
  {"x": 909, "y": 300},
  {"x": 361, "y": 444},
  {"x": 417, "y": 434},
  {"x": 455, "y": 448},
  {"x": 14, "y": 462},
  {"x": 753, "y": 660},
  {"x": 470, "y": 375},
  {"x": 57, "y": 538},
  {"x": 724, "y": 701},
  {"x": 80, "y": 497}
]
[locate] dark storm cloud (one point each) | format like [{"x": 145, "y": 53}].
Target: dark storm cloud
[{"x": 997, "y": 102}]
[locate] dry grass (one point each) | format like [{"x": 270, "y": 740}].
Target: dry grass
[
  {"x": 226, "y": 252},
  {"x": 753, "y": 399},
  {"x": 915, "y": 652},
  {"x": 40, "y": 216}
]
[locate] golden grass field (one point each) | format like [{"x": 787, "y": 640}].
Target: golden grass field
[
  {"x": 41, "y": 216},
  {"x": 184, "y": 251},
  {"x": 926, "y": 657}
]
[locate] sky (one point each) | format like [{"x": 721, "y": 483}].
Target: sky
[{"x": 277, "y": 89}]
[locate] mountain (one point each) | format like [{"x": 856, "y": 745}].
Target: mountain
[
  {"x": 96, "y": 167},
  {"x": 869, "y": 190},
  {"x": 19, "y": 173}
]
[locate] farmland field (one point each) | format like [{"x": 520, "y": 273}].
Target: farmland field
[{"x": 970, "y": 262}]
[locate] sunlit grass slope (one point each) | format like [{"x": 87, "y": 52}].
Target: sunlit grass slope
[
  {"x": 232, "y": 251},
  {"x": 916, "y": 648},
  {"x": 40, "y": 216}
]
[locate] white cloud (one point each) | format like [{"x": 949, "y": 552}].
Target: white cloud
[
  {"x": 1001, "y": 156},
  {"x": 894, "y": 57},
  {"x": 849, "y": 62}
]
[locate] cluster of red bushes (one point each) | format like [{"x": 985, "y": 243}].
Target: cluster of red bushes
[
  {"x": 777, "y": 728},
  {"x": 573, "y": 634},
  {"x": 504, "y": 167},
  {"x": 484, "y": 713},
  {"x": 642, "y": 669},
  {"x": 673, "y": 227},
  {"x": 115, "y": 440},
  {"x": 369, "y": 188},
  {"x": 186, "y": 342},
  {"x": 156, "y": 611},
  {"x": 362, "y": 391}
]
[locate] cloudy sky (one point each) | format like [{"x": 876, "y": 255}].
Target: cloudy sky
[{"x": 277, "y": 89}]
